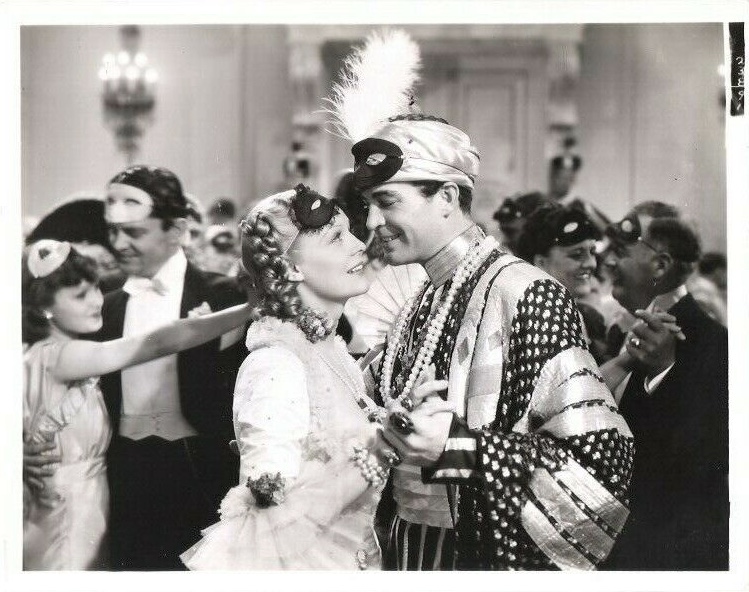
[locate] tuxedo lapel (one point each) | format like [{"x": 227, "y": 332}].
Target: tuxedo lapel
[
  {"x": 113, "y": 315},
  {"x": 193, "y": 291}
]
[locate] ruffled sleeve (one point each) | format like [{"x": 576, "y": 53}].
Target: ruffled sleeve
[
  {"x": 49, "y": 405},
  {"x": 271, "y": 409},
  {"x": 37, "y": 361}
]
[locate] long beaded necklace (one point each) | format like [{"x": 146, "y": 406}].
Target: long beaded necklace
[
  {"x": 436, "y": 323},
  {"x": 355, "y": 384}
]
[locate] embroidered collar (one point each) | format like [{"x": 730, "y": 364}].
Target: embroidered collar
[{"x": 442, "y": 265}]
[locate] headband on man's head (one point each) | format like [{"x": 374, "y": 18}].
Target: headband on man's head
[
  {"x": 629, "y": 231},
  {"x": 47, "y": 255},
  {"x": 415, "y": 149},
  {"x": 139, "y": 191},
  {"x": 373, "y": 106}
]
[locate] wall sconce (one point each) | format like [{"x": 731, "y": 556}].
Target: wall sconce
[{"x": 128, "y": 92}]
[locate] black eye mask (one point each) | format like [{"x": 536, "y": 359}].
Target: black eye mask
[
  {"x": 574, "y": 227},
  {"x": 508, "y": 211},
  {"x": 311, "y": 210},
  {"x": 627, "y": 231},
  {"x": 375, "y": 161}
]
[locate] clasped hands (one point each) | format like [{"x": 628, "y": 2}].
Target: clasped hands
[
  {"x": 428, "y": 422},
  {"x": 651, "y": 342}
]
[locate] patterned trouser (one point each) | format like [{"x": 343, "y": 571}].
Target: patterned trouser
[{"x": 418, "y": 547}]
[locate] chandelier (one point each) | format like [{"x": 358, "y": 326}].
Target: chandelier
[{"x": 128, "y": 92}]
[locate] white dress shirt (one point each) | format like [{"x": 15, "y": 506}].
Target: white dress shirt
[{"x": 150, "y": 391}]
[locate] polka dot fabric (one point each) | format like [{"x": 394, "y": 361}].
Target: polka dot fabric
[
  {"x": 545, "y": 323},
  {"x": 492, "y": 516},
  {"x": 490, "y": 532},
  {"x": 607, "y": 455}
]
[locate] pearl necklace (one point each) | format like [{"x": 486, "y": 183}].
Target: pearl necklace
[
  {"x": 467, "y": 267},
  {"x": 354, "y": 382}
]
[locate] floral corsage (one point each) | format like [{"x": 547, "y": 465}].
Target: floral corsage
[{"x": 268, "y": 489}]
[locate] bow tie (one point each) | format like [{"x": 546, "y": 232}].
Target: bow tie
[{"x": 140, "y": 285}]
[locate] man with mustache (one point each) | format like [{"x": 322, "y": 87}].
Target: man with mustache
[
  {"x": 675, "y": 400},
  {"x": 531, "y": 469}
]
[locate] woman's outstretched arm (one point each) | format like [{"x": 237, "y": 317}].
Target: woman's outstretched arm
[{"x": 81, "y": 359}]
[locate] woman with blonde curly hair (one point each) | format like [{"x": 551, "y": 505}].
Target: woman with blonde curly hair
[{"x": 312, "y": 462}]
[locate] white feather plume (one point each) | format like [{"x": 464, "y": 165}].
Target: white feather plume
[{"x": 377, "y": 82}]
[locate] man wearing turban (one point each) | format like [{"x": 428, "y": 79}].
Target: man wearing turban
[{"x": 531, "y": 469}]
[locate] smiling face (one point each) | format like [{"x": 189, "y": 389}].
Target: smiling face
[
  {"x": 143, "y": 247},
  {"x": 332, "y": 261},
  {"x": 76, "y": 310},
  {"x": 631, "y": 268},
  {"x": 409, "y": 226},
  {"x": 573, "y": 266}
]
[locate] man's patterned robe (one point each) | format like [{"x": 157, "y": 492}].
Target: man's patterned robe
[{"x": 538, "y": 459}]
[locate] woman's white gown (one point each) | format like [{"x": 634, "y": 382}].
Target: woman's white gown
[{"x": 297, "y": 412}]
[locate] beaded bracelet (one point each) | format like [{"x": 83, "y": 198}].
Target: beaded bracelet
[{"x": 370, "y": 469}]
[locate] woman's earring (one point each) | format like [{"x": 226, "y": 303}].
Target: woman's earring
[{"x": 48, "y": 315}]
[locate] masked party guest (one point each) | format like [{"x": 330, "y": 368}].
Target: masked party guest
[
  {"x": 193, "y": 240},
  {"x": 561, "y": 241},
  {"x": 675, "y": 399},
  {"x": 65, "y": 515},
  {"x": 512, "y": 214},
  {"x": 563, "y": 171},
  {"x": 499, "y": 482},
  {"x": 169, "y": 462},
  {"x": 311, "y": 466},
  {"x": 220, "y": 250}
]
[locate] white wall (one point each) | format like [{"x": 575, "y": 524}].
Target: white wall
[
  {"x": 650, "y": 123},
  {"x": 221, "y": 121},
  {"x": 651, "y": 126}
]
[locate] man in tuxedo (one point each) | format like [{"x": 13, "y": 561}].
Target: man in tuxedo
[
  {"x": 675, "y": 401},
  {"x": 169, "y": 461}
]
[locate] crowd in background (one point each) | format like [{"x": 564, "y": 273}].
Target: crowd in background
[
  {"x": 566, "y": 236},
  {"x": 530, "y": 224}
]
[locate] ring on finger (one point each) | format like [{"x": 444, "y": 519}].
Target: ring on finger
[
  {"x": 391, "y": 456},
  {"x": 635, "y": 341},
  {"x": 401, "y": 423}
]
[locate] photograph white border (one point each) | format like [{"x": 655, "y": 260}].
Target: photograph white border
[{"x": 16, "y": 13}]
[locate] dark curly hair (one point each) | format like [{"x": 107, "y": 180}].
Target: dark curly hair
[
  {"x": 267, "y": 233},
  {"x": 39, "y": 293}
]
